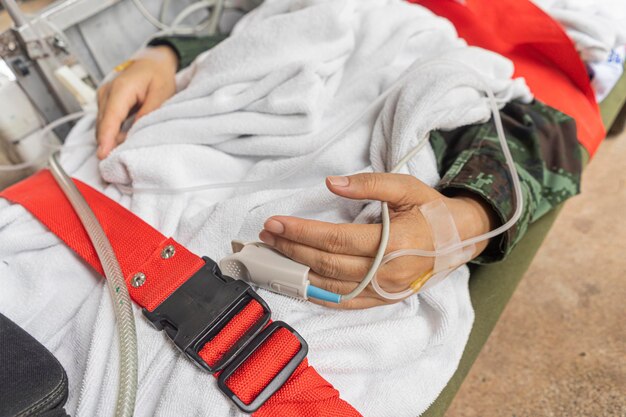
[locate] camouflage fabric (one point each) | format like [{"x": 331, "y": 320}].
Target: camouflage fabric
[
  {"x": 188, "y": 47},
  {"x": 542, "y": 141},
  {"x": 547, "y": 156}
]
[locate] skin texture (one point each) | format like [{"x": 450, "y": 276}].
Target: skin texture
[
  {"x": 140, "y": 88},
  {"x": 339, "y": 254}
]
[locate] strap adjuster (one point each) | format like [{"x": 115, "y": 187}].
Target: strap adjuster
[
  {"x": 200, "y": 308},
  {"x": 277, "y": 382}
]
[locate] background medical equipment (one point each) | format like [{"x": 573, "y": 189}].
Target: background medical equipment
[{"x": 52, "y": 62}]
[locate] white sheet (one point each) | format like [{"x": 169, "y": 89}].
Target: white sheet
[
  {"x": 254, "y": 107},
  {"x": 595, "y": 26},
  {"x": 606, "y": 74}
]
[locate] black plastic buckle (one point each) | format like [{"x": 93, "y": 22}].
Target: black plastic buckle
[
  {"x": 200, "y": 308},
  {"x": 275, "y": 383}
]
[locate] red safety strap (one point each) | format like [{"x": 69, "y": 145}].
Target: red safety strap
[
  {"x": 540, "y": 49},
  {"x": 138, "y": 247}
]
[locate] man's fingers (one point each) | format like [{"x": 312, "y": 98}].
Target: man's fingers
[
  {"x": 359, "y": 303},
  {"x": 155, "y": 97},
  {"x": 400, "y": 273},
  {"x": 348, "y": 239},
  {"x": 331, "y": 265},
  {"x": 120, "y": 138},
  {"x": 396, "y": 189},
  {"x": 103, "y": 96},
  {"x": 118, "y": 105},
  {"x": 394, "y": 276}
]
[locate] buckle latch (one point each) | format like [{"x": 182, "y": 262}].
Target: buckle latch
[
  {"x": 280, "y": 378},
  {"x": 200, "y": 308}
]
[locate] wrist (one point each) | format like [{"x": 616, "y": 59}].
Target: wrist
[
  {"x": 473, "y": 216},
  {"x": 162, "y": 55}
]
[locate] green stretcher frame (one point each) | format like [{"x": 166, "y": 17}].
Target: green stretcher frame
[{"x": 491, "y": 286}]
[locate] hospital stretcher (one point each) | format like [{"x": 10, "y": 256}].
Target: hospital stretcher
[{"x": 491, "y": 286}]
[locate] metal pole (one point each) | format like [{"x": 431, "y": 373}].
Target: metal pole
[{"x": 14, "y": 12}]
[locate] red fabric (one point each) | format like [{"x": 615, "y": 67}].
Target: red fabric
[
  {"x": 253, "y": 379},
  {"x": 138, "y": 247},
  {"x": 540, "y": 49}
]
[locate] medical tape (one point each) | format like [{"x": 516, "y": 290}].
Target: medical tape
[{"x": 444, "y": 234}]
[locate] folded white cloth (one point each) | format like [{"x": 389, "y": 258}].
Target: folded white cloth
[
  {"x": 607, "y": 73},
  {"x": 255, "y": 107},
  {"x": 595, "y": 26}
]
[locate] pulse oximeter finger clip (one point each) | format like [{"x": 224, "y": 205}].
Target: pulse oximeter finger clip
[{"x": 261, "y": 265}]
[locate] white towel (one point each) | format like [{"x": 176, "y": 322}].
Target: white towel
[
  {"x": 606, "y": 74},
  {"x": 254, "y": 107},
  {"x": 595, "y": 26}
]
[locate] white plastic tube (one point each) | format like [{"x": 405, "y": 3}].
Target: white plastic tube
[
  {"x": 122, "y": 305},
  {"x": 506, "y": 226},
  {"x": 43, "y": 156},
  {"x": 210, "y": 25}
]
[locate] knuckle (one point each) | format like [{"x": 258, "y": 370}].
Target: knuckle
[
  {"x": 301, "y": 231},
  {"x": 328, "y": 266},
  {"x": 335, "y": 239},
  {"x": 334, "y": 286},
  {"x": 371, "y": 182},
  {"x": 119, "y": 84},
  {"x": 397, "y": 278},
  {"x": 350, "y": 305},
  {"x": 406, "y": 275},
  {"x": 400, "y": 241},
  {"x": 101, "y": 92},
  {"x": 285, "y": 246}
]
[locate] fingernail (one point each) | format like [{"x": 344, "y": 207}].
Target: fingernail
[
  {"x": 267, "y": 238},
  {"x": 339, "y": 181},
  {"x": 274, "y": 226}
]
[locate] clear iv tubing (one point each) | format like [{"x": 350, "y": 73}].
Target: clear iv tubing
[
  {"x": 374, "y": 107},
  {"x": 419, "y": 252},
  {"x": 210, "y": 25},
  {"x": 125, "y": 319},
  {"x": 42, "y": 134}
]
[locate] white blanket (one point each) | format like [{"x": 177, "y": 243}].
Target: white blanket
[
  {"x": 255, "y": 107},
  {"x": 606, "y": 74},
  {"x": 595, "y": 26}
]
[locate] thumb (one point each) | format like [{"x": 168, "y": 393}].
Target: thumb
[
  {"x": 153, "y": 101},
  {"x": 396, "y": 189}
]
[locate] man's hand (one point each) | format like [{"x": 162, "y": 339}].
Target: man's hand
[
  {"x": 142, "y": 87},
  {"x": 340, "y": 254}
]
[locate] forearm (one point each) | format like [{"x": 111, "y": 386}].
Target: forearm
[
  {"x": 187, "y": 48},
  {"x": 546, "y": 154}
]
